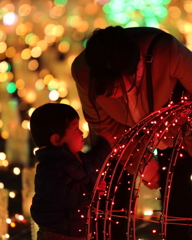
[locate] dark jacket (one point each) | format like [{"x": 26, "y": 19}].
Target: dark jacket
[{"x": 63, "y": 188}]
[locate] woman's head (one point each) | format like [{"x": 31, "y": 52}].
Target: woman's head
[
  {"x": 49, "y": 119},
  {"x": 109, "y": 53}
]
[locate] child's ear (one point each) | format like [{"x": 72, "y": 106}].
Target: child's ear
[{"x": 55, "y": 139}]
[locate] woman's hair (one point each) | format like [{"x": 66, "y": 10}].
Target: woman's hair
[
  {"x": 49, "y": 119},
  {"x": 109, "y": 53}
]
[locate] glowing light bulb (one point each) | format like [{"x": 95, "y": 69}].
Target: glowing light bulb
[{"x": 10, "y": 18}]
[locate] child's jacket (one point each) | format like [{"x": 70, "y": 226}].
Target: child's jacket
[{"x": 63, "y": 188}]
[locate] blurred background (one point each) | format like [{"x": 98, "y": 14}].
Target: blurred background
[{"x": 38, "y": 42}]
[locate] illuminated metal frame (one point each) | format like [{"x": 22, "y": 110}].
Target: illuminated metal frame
[{"x": 176, "y": 116}]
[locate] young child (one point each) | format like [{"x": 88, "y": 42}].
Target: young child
[{"x": 65, "y": 176}]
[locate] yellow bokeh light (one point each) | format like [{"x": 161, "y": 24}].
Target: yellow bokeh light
[
  {"x": 32, "y": 40},
  {"x": 76, "y": 104},
  {"x": 12, "y": 224},
  {"x": 53, "y": 95},
  {"x": 50, "y": 39},
  {"x": 5, "y": 163},
  {"x": 42, "y": 44},
  {"x": 91, "y": 8},
  {"x": 36, "y": 52},
  {"x": 48, "y": 29},
  {"x": 56, "y": 11},
  {"x": 3, "y": 47},
  {"x": 48, "y": 78},
  {"x": 82, "y": 26},
  {"x": 4, "y": 134},
  {"x": 62, "y": 84},
  {"x": 30, "y": 111},
  {"x": 10, "y": 52},
  {"x": 3, "y": 36},
  {"x": 1, "y": 123},
  {"x": 31, "y": 96},
  {"x": 63, "y": 46},
  {"x": 24, "y": 10},
  {"x": 188, "y": 6},
  {"x": 20, "y": 83},
  {"x": 26, "y": 54},
  {"x": 16, "y": 170},
  {"x": 3, "y": 66},
  {"x": 62, "y": 92},
  {"x": 8, "y": 8},
  {"x": 74, "y": 21},
  {"x": 185, "y": 27},
  {"x": 65, "y": 101},
  {"x": 21, "y": 29},
  {"x": 1, "y": 185},
  {"x": 12, "y": 195},
  {"x": 8, "y": 220},
  {"x": 99, "y": 23},
  {"x": 40, "y": 85},
  {"x": 33, "y": 65},
  {"x": 2, "y": 156},
  {"x": 58, "y": 30},
  {"x": 174, "y": 12},
  {"x": 148, "y": 212},
  {"x": 25, "y": 124},
  {"x": 3, "y": 77},
  {"x": 85, "y": 126},
  {"x": 10, "y": 76},
  {"x": 22, "y": 92}
]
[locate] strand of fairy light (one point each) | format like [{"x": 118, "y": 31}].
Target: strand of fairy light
[{"x": 166, "y": 111}]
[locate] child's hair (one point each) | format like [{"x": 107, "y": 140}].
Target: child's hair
[{"x": 49, "y": 119}]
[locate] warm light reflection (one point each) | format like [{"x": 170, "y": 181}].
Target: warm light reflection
[
  {"x": 53, "y": 95},
  {"x": 20, "y": 83},
  {"x": 10, "y": 52},
  {"x": 31, "y": 110},
  {"x": 39, "y": 85},
  {"x": 26, "y": 54},
  {"x": 31, "y": 96},
  {"x": 33, "y": 65},
  {"x": 3, "y": 47},
  {"x": 10, "y": 18},
  {"x": 24, "y": 10},
  {"x": 36, "y": 52},
  {"x": 64, "y": 46},
  {"x": 25, "y": 124},
  {"x": 76, "y": 104},
  {"x": 21, "y": 29}
]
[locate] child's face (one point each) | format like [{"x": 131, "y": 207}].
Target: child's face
[{"x": 73, "y": 137}]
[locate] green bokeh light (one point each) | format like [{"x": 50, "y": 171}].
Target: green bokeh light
[
  {"x": 11, "y": 87},
  {"x": 8, "y": 67},
  {"x": 121, "y": 18},
  {"x": 151, "y": 22},
  {"x": 60, "y": 2},
  {"x": 143, "y": 12},
  {"x": 27, "y": 38},
  {"x": 85, "y": 43}
]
